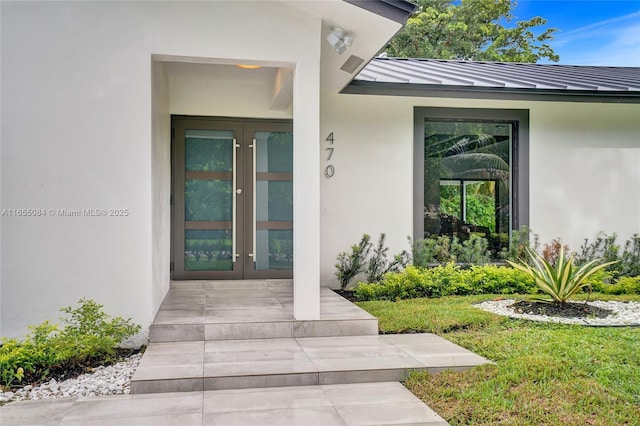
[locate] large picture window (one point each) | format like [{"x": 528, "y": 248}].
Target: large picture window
[{"x": 471, "y": 173}]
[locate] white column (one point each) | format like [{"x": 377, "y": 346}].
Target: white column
[{"x": 306, "y": 190}]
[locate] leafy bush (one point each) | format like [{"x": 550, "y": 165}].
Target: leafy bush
[
  {"x": 625, "y": 285},
  {"x": 551, "y": 251},
  {"x": 348, "y": 265},
  {"x": 562, "y": 280},
  {"x": 436, "y": 249},
  {"x": 446, "y": 280},
  {"x": 407, "y": 284},
  {"x": 378, "y": 265},
  {"x": 475, "y": 250},
  {"x": 521, "y": 243},
  {"x": 626, "y": 263},
  {"x": 89, "y": 324},
  {"x": 443, "y": 249},
  {"x": 491, "y": 279},
  {"x": 630, "y": 260},
  {"x": 478, "y": 250},
  {"x": 89, "y": 335},
  {"x": 603, "y": 247}
]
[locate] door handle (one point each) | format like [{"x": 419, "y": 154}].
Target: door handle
[
  {"x": 255, "y": 190},
  {"x": 234, "y": 206}
]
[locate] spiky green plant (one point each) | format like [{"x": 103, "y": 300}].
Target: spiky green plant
[
  {"x": 562, "y": 280},
  {"x": 348, "y": 265}
]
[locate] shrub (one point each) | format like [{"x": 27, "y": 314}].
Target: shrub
[
  {"x": 552, "y": 250},
  {"x": 478, "y": 250},
  {"x": 492, "y": 279},
  {"x": 475, "y": 250},
  {"x": 443, "y": 249},
  {"x": 626, "y": 263},
  {"x": 403, "y": 285},
  {"x": 603, "y": 247},
  {"x": 446, "y": 280},
  {"x": 348, "y": 265},
  {"x": 521, "y": 243},
  {"x": 625, "y": 285},
  {"x": 562, "y": 280},
  {"x": 378, "y": 265},
  {"x": 432, "y": 250},
  {"x": 630, "y": 259},
  {"x": 89, "y": 325},
  {"x": 89, "y": 335}
]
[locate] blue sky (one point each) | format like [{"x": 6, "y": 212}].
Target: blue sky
[{"x": 590, "y": 32}]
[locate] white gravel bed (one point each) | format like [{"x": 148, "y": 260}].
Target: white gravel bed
[
  {"x": 111, "y": 380},
  {"x": 624, "y": 313}
]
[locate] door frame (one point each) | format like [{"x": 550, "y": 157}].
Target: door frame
[
  {"x": 251, "y": 126},
  {"x": 242, "y": 128}
]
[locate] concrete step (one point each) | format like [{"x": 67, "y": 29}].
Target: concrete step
[
  {"x": 227, "y": 310},
  {"x": 258, "y": 363}
]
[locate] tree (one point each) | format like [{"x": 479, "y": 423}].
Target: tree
[{"x": 472, "y": 30}]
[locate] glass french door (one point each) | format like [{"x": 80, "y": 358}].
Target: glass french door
[{"x": 232, "y": 199}]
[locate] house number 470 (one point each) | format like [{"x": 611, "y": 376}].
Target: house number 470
[{"x": 329, "y": 171}]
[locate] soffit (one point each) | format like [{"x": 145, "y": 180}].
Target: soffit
[{"x": 370, "y": 32}]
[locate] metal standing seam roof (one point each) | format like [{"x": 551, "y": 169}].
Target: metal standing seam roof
[
  {"x": 499, "y": 77},
  {"x": 396, "y": 10}
]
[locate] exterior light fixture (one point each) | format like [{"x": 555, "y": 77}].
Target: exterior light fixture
[{"x": 338, "y": 39}]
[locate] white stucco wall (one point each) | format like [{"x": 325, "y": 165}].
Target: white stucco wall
[
  {"x": 584, "y": 169},
  {"x": 160, "y": 183},
  {"x": 82, "y": 127},
  {"x": 371, "y": 189},
  {"x": 585, "y": 162}
]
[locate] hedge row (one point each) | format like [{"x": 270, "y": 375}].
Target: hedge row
[
  {"x": 452, "y": 280},
  {"x": 447, "y": 280}
]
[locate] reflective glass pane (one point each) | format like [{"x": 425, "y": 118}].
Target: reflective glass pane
[
  {"x": 274, "y": 201},
  {"x": 208, "y": 199},
  {"x": 274, "y": 152},
  {"x": 467, "y": 179},
  {"x": 208, "y": 150},
  {"x": 450, "y": 198},
  {"x": 274, "y": 249},
  {"x": 480, "y": 204},
  {"x": 207, "y": 250}
]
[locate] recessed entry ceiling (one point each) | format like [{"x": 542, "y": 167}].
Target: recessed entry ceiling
[
  {"x": 275, "y": 82},
  {"x": 229, "y": 72}
]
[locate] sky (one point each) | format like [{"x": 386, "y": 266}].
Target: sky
[{"x": 590, "y": 32}]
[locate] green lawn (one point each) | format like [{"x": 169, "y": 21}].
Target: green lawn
[{"x": 545, "y": 374}]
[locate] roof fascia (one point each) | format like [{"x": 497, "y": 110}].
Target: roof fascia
[
  {"x": 359, "y": 87},
  {"x": 396, "y": 10}
]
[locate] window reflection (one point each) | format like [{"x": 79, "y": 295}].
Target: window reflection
[{"x": 467, "y": 180}]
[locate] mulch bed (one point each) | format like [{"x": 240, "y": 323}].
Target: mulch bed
[
  {"x": 563, "y": 310},
  {"x": 347, "y": 294}
]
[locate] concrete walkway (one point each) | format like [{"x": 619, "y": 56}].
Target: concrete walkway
[
  {"x": 330, "y": 405},
  {"x": 231, "y": 353}
]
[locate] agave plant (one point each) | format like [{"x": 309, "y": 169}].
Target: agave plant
[{"x": 562, "y": 280}]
